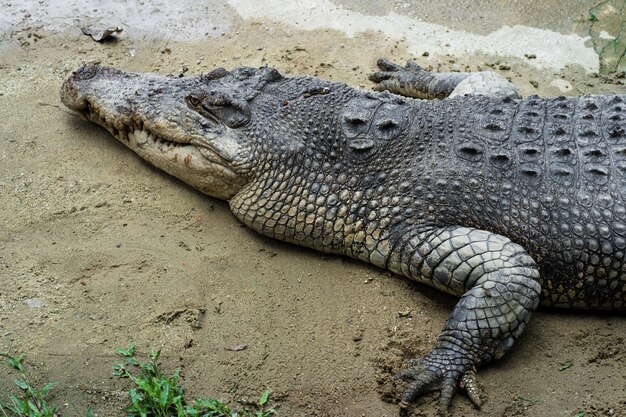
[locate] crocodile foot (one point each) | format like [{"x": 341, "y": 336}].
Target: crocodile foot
[
  {"x": 416, "y": 82},
  {"x": 443, "y": 370}
]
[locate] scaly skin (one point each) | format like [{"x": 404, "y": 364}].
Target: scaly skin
[{"x": 504, "y": 203}]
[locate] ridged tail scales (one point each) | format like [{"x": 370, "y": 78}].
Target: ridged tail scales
[{"x": 499, "y": 287}]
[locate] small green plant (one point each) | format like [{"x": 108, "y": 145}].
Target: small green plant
[
  {"x": 566, "y": 365},
  {"x": 527, "y": 399},
  {"x": 32, "y": 402},
  {"x": 158, "y": 395},
  {"x": 154, "y": 394}
]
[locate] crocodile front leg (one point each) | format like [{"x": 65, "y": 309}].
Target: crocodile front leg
[
  {"x": 414, "y": 81},
  {"x": 498, "y": 284}
]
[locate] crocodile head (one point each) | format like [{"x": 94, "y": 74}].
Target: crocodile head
[{"x": 203, "y": 130}]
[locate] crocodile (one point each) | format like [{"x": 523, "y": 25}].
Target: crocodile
[{"x": 507, "y": 203}]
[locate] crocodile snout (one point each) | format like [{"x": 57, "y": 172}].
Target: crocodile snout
[
  {"x": 86, "y": 81},
  {"x": 71, "y": 94}
]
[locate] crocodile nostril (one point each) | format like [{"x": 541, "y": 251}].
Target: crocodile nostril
[{"x": 85, "y": 73}]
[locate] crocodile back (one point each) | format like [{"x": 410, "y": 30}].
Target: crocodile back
[
  {"x": 551, "y": 175},
  {"x": 360, "y": 172}
]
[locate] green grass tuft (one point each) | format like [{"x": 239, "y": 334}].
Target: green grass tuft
[
  {"x": 156, "y": 394},
  {"x": 31, "y": 402}
]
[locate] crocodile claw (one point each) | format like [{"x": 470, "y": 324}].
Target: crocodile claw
[
  {"x": 433, "y": 374},
  {"x": 393, "y": 72},
  {"x": 387, "y": 65},
  {"x": 469, "y": 383}
]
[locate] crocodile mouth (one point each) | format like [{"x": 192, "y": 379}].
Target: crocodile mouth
[
  {"x": 134, "y": 132},
  {"x": 189, "y": 159}
]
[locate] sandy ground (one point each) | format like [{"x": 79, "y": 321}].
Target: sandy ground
[{"x": 98, "y": 249}]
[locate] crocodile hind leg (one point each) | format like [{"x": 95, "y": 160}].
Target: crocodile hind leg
[
  {"x": 499, "y": 288},
  {"x": 414, "y": 81}
]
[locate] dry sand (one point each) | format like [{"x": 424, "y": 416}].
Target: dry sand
[{"x": 98, "y": 249}]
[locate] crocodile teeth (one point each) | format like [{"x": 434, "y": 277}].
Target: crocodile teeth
[
  {"x": 123, "y": 133},
  {"x": 142, "y": 137}
]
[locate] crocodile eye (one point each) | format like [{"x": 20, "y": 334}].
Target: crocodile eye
[
  {"x": 215, "y": 74},
  {"x": 236, "y": 115},
  {"x": 194, "y": 101},
  {"x": 231, "y": 110}
]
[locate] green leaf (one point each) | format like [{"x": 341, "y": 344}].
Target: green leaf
[
  {"x": 89, "y": 412},
  {"x": 19, "y": 406},
  {"x": 33, "y": 407},
  {"x": 48, "y": 387},
  {"x": 165, "y": 393},
  {"x": 528, "y": 399},
  {"x": 135, "y": 398},
  {"x": 118, "y": 370},
  {"x": 16, "y": 363},
  {"x": 126, "y": 353},
  {"x": 567, "y": 364},
  {"x": 180, "y": 411},
  {"x": 264, "y": 397},
  {"x": 21, "y": 384},
  {"x": 154, "y": 355}
]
